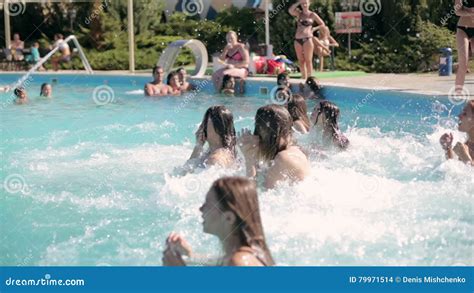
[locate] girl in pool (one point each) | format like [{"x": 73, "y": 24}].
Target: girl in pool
[
  {"x": 46, "y": 90},
  {"x": 464, "y": 151},
  {"x": 464, "y": 36},
  {"x": 236, "y": 61},
  {"x": 325, "y": 119},
  {"x": 21, "y": 96},
  {"x": 272, "y": 143},
  {"x": 217, "y": 129},
  {"x": 230, "y": 212},
  {"x": 185, "y": 85},
  {"x": 173, "y": 83},
  {"x": 299, "y": 113},
  {"x": 323, "y": 44},
  {"x": 228, "y": 85},
  {"x": 311, "y": 89},
  {"x": 304, "y": 35}
]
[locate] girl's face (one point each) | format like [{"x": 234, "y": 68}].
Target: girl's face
[
  {"x": 47, "y": 91},
  {"x": 231, "y": 38},
  {"x": 317, "y": 115},
  {"x": 305, "y": 4},
  {"x": 466, "y": 119},
  {"x": 230, "y": 84},
  {"x": 285, "y": 81},
  {"x": 211, "y": 214},
  {"x": 174, "y": 82}
]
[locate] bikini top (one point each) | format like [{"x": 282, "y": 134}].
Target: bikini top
[
  {"x": 236, "y": 56},
  {"x": 306, "y": 21},
  {"x": 468, "y": 3}
]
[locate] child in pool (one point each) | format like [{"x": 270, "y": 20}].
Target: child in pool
[{"x": 464, "y": 151}]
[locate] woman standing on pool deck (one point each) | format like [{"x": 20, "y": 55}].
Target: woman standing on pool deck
[
  {"x": 230, "y": 212},
  {"x": 304, "y": 35},
  {"x": 464, "y": 151},
  {"x": 272, "y": 142},
  {"x": 217, "y": 129},
  {"x": 236, "y": 61},
  {"x": 464, "y": 35}
]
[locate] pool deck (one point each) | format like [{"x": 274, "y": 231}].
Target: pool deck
[{"x": 427, "y": 83}]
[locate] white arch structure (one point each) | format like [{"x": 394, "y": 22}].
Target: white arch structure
[{"x": 171, "y": 52}]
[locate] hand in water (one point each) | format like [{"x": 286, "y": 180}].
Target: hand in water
[
  {"x": 462, "y": 151},
  {"x": 446, "y": 141},
  {"x": 176, "y": 248},
  {"x": 248, "y": 143}
]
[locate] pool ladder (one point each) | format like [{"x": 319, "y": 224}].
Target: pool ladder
[{"x": 43, "y": 60}]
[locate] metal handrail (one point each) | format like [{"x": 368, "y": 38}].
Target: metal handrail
[{"x": 43, "y": 60}]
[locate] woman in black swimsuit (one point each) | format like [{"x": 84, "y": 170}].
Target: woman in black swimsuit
[
  {"x": 464, "y": 35},
  {"x": 304, "y": 35},
  {"x": 231, "y": 212}
]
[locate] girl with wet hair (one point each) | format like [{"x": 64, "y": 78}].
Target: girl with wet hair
[
  {"x": 299, "y": 113},
  {"x": 325, "y": 119},
  {"x": 231, "y": 212},
  {"x": 217, "y": 130},
  {"x": 46, "y": 90},
  {"x": 228, "y": 85},
  {"x": 21, "y": 96},
  {"x": 173, "y": 82},
  {"x": 464, "y": 151},
  {"x": 272, "y": 143},
  {"x": 311, "y": 89}
]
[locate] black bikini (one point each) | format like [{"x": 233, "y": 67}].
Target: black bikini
[
  {"x": 304, "y": 22},
  {"x": 468, "y": 30}
]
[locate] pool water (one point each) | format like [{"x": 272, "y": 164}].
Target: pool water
[{"x": 88, "y": 182}]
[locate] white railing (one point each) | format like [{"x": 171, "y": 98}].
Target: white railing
[{"x": 43, "y": 60}]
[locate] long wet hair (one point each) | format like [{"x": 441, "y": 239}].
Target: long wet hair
[
  {"x": 331, "y": 123},
  {"x": 42, "y": 88},
  {"x": 17, "y": 92},
  {"x": 171, "y": 75},
  {"x": 299, "y": 110},
  {"x": 273, "y": 126},
  {"x": 239, "y": 195},
  {"x": 225, "y": 80},
  {"x": 313, "y": 84},
  {"x": 223, "y": 122}
]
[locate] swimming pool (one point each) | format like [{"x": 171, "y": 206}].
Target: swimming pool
[{"x": 93, "y": 181}]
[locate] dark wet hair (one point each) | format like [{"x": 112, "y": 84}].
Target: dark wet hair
[
  {"x": 313, "y": 84},
  {"x": 331, "y": 113},
  {"x": 225, "y": 80},
  {"x": 179, "y": 69},
  {"x": 299, "y": 110},
  {"x": 273, "y": 127},
  {"x": 42, "y": 88},
  {"x": 18, "y": 91},
  {"x": 223, "y": 122},
  {"x": 171, "y": 75},
  {"x": 281, "y": 76},
  {"x": 155, "y": 69},
  {"x": 239, "y": 195}
]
